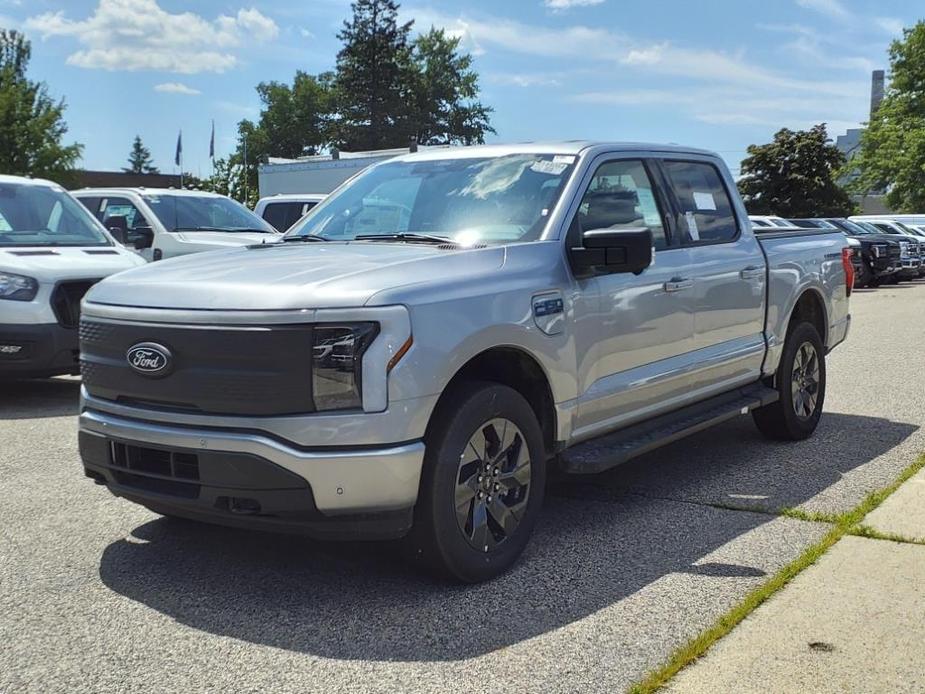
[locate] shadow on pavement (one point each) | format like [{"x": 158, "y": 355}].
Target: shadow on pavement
[
  {"x": 594, "y": 546},
  {"x": 40, "y": 398}
]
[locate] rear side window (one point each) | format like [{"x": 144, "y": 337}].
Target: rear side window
[{"x": 706, "y": 211}]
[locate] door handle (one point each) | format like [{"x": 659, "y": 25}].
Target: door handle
[
  {"x": 752, "y": 273},
  {"x": 677, "y": 284}
]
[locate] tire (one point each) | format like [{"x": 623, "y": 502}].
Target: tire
[
  {"x": 791, "y": 419},
  {"x": 470, "y": 544}
]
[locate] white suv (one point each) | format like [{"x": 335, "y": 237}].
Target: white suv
[{"x": 163, "y": 223}]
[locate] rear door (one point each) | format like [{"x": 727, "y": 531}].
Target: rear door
[
  {"x": 729, "y": 273},
  {"x": 635, "y": 348}
]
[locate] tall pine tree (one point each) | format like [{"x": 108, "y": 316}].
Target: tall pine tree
[
  {"x": 31, "y": 122},
  {"x": 371, "y": 76},
  {"x": 139, "y": 159}
]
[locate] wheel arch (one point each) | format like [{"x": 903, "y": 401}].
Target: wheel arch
[{"x": 516, "y": 368}]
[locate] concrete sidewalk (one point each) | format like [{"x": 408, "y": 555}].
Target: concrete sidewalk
[{"x": 853, "y": 622}]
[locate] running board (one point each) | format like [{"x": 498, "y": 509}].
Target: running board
[{"x": 610, "y": 450}]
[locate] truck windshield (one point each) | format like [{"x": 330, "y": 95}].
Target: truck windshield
[
  {"x": 205, "y": 213},
  {"x": 485, "y": 200},
  {"x": 41, "y": 215}
]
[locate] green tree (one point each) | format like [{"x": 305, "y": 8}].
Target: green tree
[
  {"x": 139, "y": 159},
  {"x": 31, "y": 123},
  {"x": 444, "y": 89},
  {"x": 794, "y": 176},
  {"x": 892, "y": 152},
  {"x": 371, "y": 75}
]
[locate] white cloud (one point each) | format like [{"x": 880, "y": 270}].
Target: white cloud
[
  {"x": 176, "y": 88},
  {"x": 140, "y": 35},
  {"x": 561, "y": 5},
  {"x": 523, "y": 80},
  {"x": 890, "y": 25},
  {"x": 831, "y": 8}
]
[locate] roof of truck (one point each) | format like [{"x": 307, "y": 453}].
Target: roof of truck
[
  {"x": 149, "y": 191},
  {"x": 566, "y": 147},
  {"x": 23, "y": 181}
]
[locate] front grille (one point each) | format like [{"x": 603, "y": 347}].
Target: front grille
[
  {"x": 65, "y": 301},
  {"x": 156, "y": 470},
  {"x": 215, "y": 369}
]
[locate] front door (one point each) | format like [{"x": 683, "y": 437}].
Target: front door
[{"x": 642, "y": 330}]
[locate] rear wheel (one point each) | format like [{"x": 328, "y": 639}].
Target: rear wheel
[
  {"x": 482, "y": 483},
  {"x": 800, "y": 382}
]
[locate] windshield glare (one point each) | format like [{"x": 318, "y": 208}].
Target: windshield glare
[
  {"x": 39, "y": 215},
  {"x": 204, "y": 213},
  {"x": 485, "y": 200}
]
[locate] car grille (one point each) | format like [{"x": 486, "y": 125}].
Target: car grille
[
  {"x": 65, "y": 301},
  {"x": 895, "y": 252},
  {"x": 214, "y": 369},
  {"x": 156, "y": 470}
]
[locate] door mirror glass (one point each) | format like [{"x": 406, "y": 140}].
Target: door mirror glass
[
  {"x": 607, "y": 251},
  {"x": 143, "y": 237}
]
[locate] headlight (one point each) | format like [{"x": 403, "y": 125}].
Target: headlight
[
  {"x": 878, "y": 251},
  {"x": 337, "y": 364},
  {"x": 17, "y": 287}
]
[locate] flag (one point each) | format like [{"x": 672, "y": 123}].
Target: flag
[
  {"x": 179, "y": 156},
  {"x": 212, "y": 143}
]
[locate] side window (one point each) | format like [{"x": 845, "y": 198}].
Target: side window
[
  {"x": 122, "y": 207},
  {"x": 621, "y": 196},
  {"x": 706, "y": 211},
  {"x": 92, "y": 204},
  {"x": 283, "y": 215}
]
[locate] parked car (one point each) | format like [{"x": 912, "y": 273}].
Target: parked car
[
  {"x": 166, "y": 222},
  {"x": 282, "y": 211},
  {"x": 51, "y": 251},
  {"x": 532, "y": 300},
  {"x": 876, "y": 256},
  {"x": 912, "y": 245},
  {"x": 765, "y": 221}
]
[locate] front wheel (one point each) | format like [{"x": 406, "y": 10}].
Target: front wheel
[
  {"x": 800, "y": 383},
  {"x": 482, "y": 483}
]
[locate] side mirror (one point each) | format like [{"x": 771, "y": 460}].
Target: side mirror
[
  {"x": 606, "y": 251},
  {"x": 118, "y": 227},
  {"x": 144, "y": 237}
]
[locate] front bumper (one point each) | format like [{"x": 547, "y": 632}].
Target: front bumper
[
  {"x": 248, "y": 479},
  {"x": 32, "y": 351},
  {"x": 910, "y": 268}
]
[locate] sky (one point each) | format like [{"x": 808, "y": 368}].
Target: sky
[{"x": 717, "y": 74}]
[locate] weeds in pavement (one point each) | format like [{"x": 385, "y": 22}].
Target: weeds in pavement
[{"x": 848, "y": 523}]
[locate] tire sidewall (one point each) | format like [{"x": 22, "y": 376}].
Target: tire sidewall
[
  {"x": 804, "y": 332},
  {"x": 476, "y": 404}
]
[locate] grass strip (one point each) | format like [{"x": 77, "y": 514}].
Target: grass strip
[
  {"x": 842, "y": 524},
  {"x": 874, "y": 534}
]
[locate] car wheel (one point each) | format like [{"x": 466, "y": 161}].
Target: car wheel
[
  {"x": 482, "y": 483},
  {"x": 800, "y": 382}
]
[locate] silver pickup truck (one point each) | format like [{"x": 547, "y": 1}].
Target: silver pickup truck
[{"x": 415, "y": 354}]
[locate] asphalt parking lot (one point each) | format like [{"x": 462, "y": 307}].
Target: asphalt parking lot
[{"x": 99, "y": 595}]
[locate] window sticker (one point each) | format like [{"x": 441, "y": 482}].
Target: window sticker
[
  {"x": 553, "y": 168},
  {"x": 566, "y": 159},
  {"x": 692, "y": 226},
  {"x": 704, "y": 201}
]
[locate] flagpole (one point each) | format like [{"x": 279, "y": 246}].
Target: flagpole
[{"x": 245, "y": 168}]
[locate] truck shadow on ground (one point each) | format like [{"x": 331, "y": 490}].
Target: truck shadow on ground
[
  {"x": 51, "y": 397},
  {"x": 601, "y": 539}
]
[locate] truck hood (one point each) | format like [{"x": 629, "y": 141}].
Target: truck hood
[
  {"x": 54, "y": 263},
  {"x": 215, "y": 240},
  {"x": 290, "y": 276}
]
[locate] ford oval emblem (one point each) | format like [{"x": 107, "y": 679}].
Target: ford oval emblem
[{"x": 149, "y": 358}]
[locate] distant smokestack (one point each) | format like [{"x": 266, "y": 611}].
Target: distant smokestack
[{"x": 876, "y": 90}]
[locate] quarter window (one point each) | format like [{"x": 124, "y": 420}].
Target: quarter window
[
  {"x": 706, "y": 211},
  {"x": 621, "y": 196}
]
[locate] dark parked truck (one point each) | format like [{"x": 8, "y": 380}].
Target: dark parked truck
[
  {"x": 877, "y": 257},
  {"x": 416, "y": 353}
]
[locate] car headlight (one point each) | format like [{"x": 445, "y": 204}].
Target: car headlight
[
  {"x": 17, "y": 287},
  {"x": 337, "y": 364},
  {"x": 877, "y": 251}
]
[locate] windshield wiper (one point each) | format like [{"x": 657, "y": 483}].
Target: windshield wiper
[
  {"x": 408, "y": 236},
  {"x": 305, "y": 237}
]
